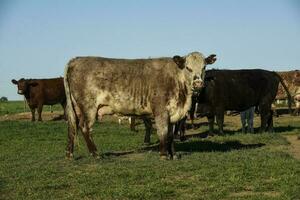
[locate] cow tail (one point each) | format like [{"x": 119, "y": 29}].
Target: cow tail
[
  {"x": 287, "y": 92},
  {"x": 70, "y": 111}
]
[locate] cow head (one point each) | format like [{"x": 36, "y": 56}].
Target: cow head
[
  {"x": 23, "y": 85},
  {"x": 195, "y": 64}
]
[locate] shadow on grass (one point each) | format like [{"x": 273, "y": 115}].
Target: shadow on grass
[
  {"x": 187, "y": 148},
  {"x": 2, "y": 184},
  {"x": 283, "y": 129},
  {"x": 208, "y": 146},
  {"x": 279, "y": 129}
]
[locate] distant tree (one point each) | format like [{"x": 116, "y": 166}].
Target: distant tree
[{"x": 3, "y": 99}]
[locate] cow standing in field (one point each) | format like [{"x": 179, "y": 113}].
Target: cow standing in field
[
  {"x": 39, "y": 92},
  {"x": 160, "y": 88},
  {"x": 239, "y": 90},
  {"x": 292, "y": 81}
]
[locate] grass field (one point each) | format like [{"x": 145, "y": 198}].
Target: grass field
[
  {"x": 13, "y": 107},
  {"x": 234, "y": 166}
]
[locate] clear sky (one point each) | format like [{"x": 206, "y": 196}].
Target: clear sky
[{"x": 37, "y": 38}]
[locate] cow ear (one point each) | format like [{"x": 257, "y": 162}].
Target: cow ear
[
  {"x": 210, "y": 59},
  {"x": 14, "y": 81},
  {"x": 179, "y": 61},
  {"x": 33, "y": 84}
]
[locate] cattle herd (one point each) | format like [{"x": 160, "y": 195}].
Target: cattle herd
[{"x": 165, "y": 89}]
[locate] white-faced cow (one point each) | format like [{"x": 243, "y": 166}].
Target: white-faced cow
[
  {"x": 160, "y": 88},
  {"x": 39, "y": 92}
]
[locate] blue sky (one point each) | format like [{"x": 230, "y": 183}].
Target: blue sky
[{"x": 37, "y": 38}]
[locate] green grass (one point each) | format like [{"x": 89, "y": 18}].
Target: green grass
[
  {"x": 13, "y": 107},
  {"x": 234, "y": 166}
]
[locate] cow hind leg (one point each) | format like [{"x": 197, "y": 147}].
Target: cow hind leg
[
  {"x": 148, "y": 127},
  {"x": 270, "y": 123},
  {"x": 211, "y": 121},
  {"x": 220, "y": 122},
  {"x": 264, "y": 117},
  {"x": 86, "y": 122}
]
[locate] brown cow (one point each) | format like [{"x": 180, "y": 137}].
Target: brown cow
[
  {"x": 39, "y": 92},
  {"x": 160, "y": 88}
]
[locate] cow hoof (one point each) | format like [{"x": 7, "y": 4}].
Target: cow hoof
[
  {"x": 147, "y": 144},
  {"x": 96, "y": 155},
  {"x": 177, "y": 157},
  {"x": 164, "y": 157},
  {"x": 69, "y": 156},
  {"x": 211, "y": 134}
]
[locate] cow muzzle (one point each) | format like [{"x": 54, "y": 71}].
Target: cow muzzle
[
  {"x": 20, "y": 92},
  {"x": 198, "y": 84}
]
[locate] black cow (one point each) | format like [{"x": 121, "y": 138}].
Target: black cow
[{"x": 238, "y": 90}]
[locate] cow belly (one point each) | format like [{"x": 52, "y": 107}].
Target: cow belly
[{"x": 124, "y": 104}]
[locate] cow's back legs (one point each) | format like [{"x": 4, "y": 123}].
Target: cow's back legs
[
  {"x": 265, "y": 114},
  {"x": 270, "y": 123},
  {"x": 148, "y": 127},
  {"x": 64, "y": 104},
  {"x": 211, "y": 121},
  {"x": 220, "y": 122},
  {"x": 86, "y": 121}
]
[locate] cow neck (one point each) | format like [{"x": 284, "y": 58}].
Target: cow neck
[
  {"x": 188, "y": 76},
  {"x": 27, "y": 93}
]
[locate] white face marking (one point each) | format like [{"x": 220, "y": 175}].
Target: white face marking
[{"x": 195, "y": 62}]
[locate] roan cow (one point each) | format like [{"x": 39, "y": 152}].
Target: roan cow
[
  {"x": 160, "y": 88},
  {"x": 239, "y": 90},
  {"x": 39, "y": 92},
  {"x": 292, "y": 81}
]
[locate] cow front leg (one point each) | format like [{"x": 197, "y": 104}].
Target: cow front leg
[
  {"x": 40, "y": 109},
  {"x": 32, "y": 114},
  {"x": 163, "y": 127},
  {"x": 211, "y": 121},
  {"x": 170, "y": 141}
]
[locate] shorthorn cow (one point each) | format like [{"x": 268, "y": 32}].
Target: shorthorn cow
[
  {"x": 160, "y": 88},
  {"x": 292, "y": 81},
  {"x": 239, "y": 90},
  {"x": 39, "y": 92}
]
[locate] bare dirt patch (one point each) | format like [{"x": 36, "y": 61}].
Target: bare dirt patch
[{"x": 26, "y": 116}]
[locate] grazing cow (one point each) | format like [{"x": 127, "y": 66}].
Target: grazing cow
[
  {"x": 239, "y": 90},
  {"x": 160, "y": 88},
  {"x": 292, "y": 81},
  {"x": 39, "y": 92}
]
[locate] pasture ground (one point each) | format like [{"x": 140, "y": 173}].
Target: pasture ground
[{"x": 233, "y": 166}]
